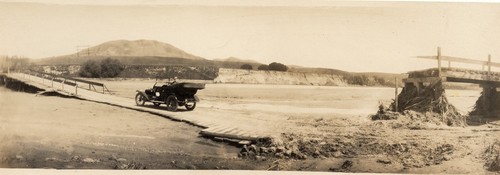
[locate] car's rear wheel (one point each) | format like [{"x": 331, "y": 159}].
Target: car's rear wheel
[
  {"x": 172, "y": 103},
  {"x": 140, "y": 99},
  {"x": 190, "y": 105}
]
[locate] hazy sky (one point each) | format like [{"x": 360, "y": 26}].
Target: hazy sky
[{"x": 381, "y": 37}]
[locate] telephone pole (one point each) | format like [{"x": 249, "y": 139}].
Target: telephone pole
[{"x": 82, "y": 48}]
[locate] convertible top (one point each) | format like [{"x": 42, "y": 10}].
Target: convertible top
[{"x": 187, "y": 85}]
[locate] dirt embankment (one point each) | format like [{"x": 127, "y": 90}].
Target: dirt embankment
[{"x": 240, "y": 76}]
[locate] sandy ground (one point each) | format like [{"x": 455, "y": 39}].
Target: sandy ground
[
  {"x": 329, "y": 124},
  {"x": 55, "y": 132}
]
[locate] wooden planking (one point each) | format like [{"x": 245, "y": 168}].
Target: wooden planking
[
  {"x": 473, "y": 81},
  {"x": 423, "y": 79}
]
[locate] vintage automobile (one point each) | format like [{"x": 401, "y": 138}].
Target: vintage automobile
[{"x": 172, "y": 94}]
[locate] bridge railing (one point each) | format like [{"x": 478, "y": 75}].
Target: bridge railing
[
  {"x": 71, "y": 81},
  {"x": 488, "y": 64}
]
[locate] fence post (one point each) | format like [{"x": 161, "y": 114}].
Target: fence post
[
  {"x": 76, "y": 88},
  {"x": 62, "y": 84},
  {"x": 103, "y": 89},
  {"x": 439, "y": 61},
  {"x": 489, "y": 67}
]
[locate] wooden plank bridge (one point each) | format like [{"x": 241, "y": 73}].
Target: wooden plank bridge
[
  {"x": 241, "y": 131},
  {"x": 488, "y": 103},
  {"x": 484, "y": 77}
]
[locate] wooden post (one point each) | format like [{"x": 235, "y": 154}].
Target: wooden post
[
  {"x": 89, "y": 87},
  {"x": 396, "y": 94},
  {"x": 62, "y": 84},
  {"x": 76, "y": 88},
  {"x": 489, "y": 67},
  {"x": 439, "y": 61},
  {"x": 103, "y": 89}
]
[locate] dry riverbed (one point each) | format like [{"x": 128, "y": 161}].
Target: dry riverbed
[{"x": 314, "y": 129}]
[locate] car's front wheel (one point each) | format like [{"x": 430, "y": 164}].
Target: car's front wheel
[
  {"x": 172, "y": 103},
  {"x": 190, "y": 105},
  {"x": 140, "y": 99}
]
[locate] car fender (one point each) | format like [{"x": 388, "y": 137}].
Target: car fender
[{"x": 144, "y": 94}]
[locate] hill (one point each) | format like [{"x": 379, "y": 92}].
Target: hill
[
  {"x": 146, "y": 58},
  {"x": 234, "y": 59},
  {"x": 135, "y": 48}
]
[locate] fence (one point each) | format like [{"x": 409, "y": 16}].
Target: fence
[{"x": 70, "y": 81}]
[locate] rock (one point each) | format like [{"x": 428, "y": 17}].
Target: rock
[
  {"x": 279, "y": 155},
  {"x": 90, "y": 160},
  {"x": 263, "y": 150},
  {"x": 244, "y": 149},
  {"x": 280, "y": 149},
  {"x": 337, "y": 154},
  {"x": 121, "y": 160},
  {"x": 384, "y": 161},
  {"x": 76, "y": 158},
  {"x": 252, "y": 154},
  {"x": 447, "y": 157},
  {"x": 316, "y": 153},
  {"x": 272, "y": 149},
  {"x": 50, "y": 159},
  {"x": 253, "y": 148},
  {"x": 288, "y": 153},
  {"x": 347, "y": 164}
]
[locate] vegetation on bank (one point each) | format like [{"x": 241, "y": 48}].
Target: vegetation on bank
[{"x": 107, "y": 68}]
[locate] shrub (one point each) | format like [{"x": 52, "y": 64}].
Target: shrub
[
  {"x": 246, "y": 66},
  {"x": 277, "y": 67},
  {"x": 106, "y": 68},
  {"x": 263, "y": 67},
  {"x": 111, "y": 68},
  {"x": 91, "y": 69}
]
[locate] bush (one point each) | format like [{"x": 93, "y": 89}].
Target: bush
[
  {"x": 263, "y": 67},
  {"x": 277, "y": 67},
  {"x": 90, "y": 69},
  {"x": 357, "y": 79},
  {"x": 246, "y": 66},
  {"x": 107, "y": 68},
  {"x": 111, "y": 68}
]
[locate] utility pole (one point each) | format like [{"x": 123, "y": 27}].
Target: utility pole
[{"x": 82, "y": 48}]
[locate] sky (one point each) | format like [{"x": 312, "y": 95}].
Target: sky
[{"x": 351, "y": 36}]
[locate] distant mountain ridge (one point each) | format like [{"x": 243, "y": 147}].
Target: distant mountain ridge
[
  {"x": 234, "y": 59},
  {"x": 144, "y": 56},
  {"x": 135, "y": 48}
]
